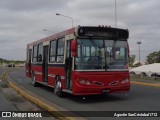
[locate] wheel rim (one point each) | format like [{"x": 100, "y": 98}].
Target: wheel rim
[
  {"x": 58, "y": 87},
  {"x": 33, "y": 81}
]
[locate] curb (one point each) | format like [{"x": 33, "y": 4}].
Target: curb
[
  {"x": 39, "y": 102},
  {"x": 3, "y": 76},
  {"x": 55, "y": 112},
  {"x": 146, "y": 84}
]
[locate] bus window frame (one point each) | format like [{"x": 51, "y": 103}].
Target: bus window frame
[
  {"x": 37, "y": 52},
  {"x": 33, "y": 53},
  {"x": 63, "y": 47},
  {"x": 41, "y": 44},
  {"x": 50, "y": 47},
  {"x": 56, "y": 49}
]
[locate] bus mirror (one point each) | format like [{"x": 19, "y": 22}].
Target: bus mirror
[{"x": 74, "y": 48}]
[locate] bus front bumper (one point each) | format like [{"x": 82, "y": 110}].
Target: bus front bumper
[{"x": 83, "y": 90}]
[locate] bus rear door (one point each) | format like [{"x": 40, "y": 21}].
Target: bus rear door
[
  {"x": 28, "y": 63},
  {"x": 45, "y": 64}
]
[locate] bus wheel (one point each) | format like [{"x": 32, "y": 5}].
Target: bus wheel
[
  {"x": 58, "y": 87},
  {"x": 34, "y": 83}
]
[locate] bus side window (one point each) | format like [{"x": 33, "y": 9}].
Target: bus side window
[
  {"x": 53, "y": 46},
  {"x": 35, "y": 53},
  {"x": 40, "y": 52},
  {"x": 60, "y": 50},
  {"x": 39, "y": 58}
]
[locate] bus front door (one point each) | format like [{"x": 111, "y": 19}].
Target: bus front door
[
  {"x": 45, "y": 64},
  {"x": 68, "y": 68}
]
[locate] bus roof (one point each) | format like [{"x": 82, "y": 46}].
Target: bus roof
[
  {"x": 52, "y": 37},
  {"x": 106, "y": 31}
]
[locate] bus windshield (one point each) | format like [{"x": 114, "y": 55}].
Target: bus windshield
[{"x": 99, "y": 54}]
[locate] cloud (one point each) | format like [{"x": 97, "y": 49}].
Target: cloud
[
  {"x": 31, "y": 5},
  {"x": 22, "y": 22}
]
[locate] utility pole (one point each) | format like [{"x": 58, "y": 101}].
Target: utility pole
[
  {"x": 115, "y": 13},
  {"x": 139, "y": 43}
]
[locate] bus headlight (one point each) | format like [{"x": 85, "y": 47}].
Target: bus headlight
[
  {"x": 125, "y": 81},
  {"x": 84, "y": 82},
  {"x": 87, "y": 82}
]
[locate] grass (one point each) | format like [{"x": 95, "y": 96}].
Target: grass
[{"x": 136, "y": 77}]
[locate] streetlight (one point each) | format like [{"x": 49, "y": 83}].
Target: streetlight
[
  {"x": 47, "y": 30},
  {"x": 66, "y": 17},
  {"x": 115, "y": 13},
  {"x": 139, "y": 43}
]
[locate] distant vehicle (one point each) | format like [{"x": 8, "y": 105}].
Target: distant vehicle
[
  {"x": 21, "y": 65},
  {"x": 11, "y": 65},
  {"x": 82, "y": 61}
]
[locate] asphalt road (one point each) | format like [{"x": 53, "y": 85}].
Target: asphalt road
[
  {"x": 140, "y": 98},
  {"x": 4, "y": 104}
]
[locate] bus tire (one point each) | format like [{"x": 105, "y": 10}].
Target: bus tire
[
  {"x": 34, "y": 83},
  {"x": 58, "y": 87}
]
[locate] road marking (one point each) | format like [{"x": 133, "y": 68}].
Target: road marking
[
  {"x": 146, "y": 84},
  {"x": 40, "y": 103}
]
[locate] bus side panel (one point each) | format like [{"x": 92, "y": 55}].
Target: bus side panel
[
  {"x": 37, "y": 70},
  {"x": 28, "y": 75},
  {"x": 56, "y": 71},
  {"x": 100, "y": 82}
]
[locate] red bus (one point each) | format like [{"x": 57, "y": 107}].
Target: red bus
[{"x": 84, "y": 60}]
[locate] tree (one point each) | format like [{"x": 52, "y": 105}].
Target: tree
[
  {"x": 153, "y": 57},
  {"x": 131, "y": 60},
  {"x": 11, "y": 61}
]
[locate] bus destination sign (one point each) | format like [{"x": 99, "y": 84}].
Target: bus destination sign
[{"x": 107, "y": 32}]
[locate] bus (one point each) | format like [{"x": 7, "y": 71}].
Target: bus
[{"x": 84, "y": 60}]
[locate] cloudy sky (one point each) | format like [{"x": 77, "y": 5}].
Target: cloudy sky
[{"x": 23, "y": 21}]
